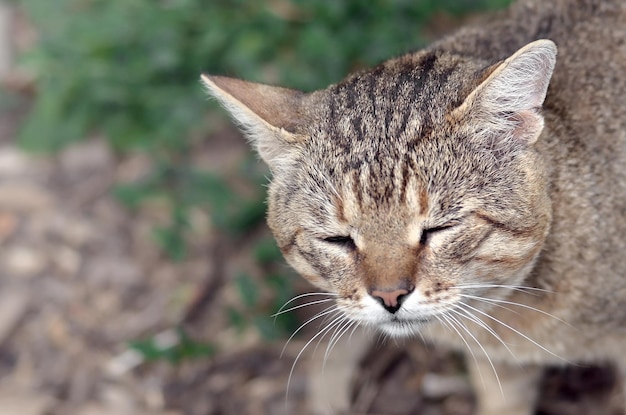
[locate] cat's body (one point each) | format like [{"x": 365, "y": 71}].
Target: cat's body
[{"x": 435, "y": 193}]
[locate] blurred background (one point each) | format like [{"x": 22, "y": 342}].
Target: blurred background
[{"x": 136, "y": 272}]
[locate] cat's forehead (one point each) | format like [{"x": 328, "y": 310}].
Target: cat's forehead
[
  {"x": 398, "y": 101},
  {"x": 384, "y": 134}
]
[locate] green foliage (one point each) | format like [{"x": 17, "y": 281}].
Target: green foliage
[
  {"x": 129, "y": 70},
  {"x": 184, "y": 348},
  {"x": 250, "y": 310},
  {"x": 120, "y": 67},
  {"x": 266, "y": 254},
  {"x": 248, "y": 290}
]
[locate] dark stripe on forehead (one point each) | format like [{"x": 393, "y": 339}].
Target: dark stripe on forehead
[
  {"x": 406, "y": 114},
  {"x": 427, "y": 63},
  {"x": 387, "y": 185},
  {"x": 414, "y": 77},
  {"x": 332, "y": 105},
  {"x": 444, "y": 74},
  {"x": 423, "y": 200},
  {"x": 373, "y": 87},
  {"x": 349, "y": 92},
  {"x": 357, "y": 189},
  {"x": 357, "y": 127},
  {"x": 426, "y": 78},
  {"x": 405, "y": 181}
]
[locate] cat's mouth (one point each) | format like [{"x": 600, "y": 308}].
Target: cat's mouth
[
  {"x": 397, "y": 320},
  {"x": 402, "y": 327}
]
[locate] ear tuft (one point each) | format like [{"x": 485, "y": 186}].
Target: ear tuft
[
  {"x": 269, "y": 115},
  {"x": 508, "y": 102},
  {"x": 521, "y": 81}
]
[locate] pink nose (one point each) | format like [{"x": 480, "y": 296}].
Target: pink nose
[{"x": 391, "y": 300}]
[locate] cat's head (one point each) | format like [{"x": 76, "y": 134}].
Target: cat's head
[{"x": 408, "y": 187}]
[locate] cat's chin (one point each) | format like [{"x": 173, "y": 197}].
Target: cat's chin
[{"x": 402, "y": 328}]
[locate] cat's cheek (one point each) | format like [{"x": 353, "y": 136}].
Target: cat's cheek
[
  {"x": 308, "y": 272},
  {"x": 505, "y": 266}
]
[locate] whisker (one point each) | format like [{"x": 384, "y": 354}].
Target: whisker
[
  {"x": 494, "y": 301},
  {"x": 471, "y": 317},
  {"x": 336, "y": 338},
  {"x": 418, "y": 330},
  {"x": 301, "y": 306},
  {"x": 328, "y": 317},
  {"x": 520, "y": 288},
  {"x": 345, "y": 324},
  {"x": 495, "y": 372},
  {"x": 334, "y": 324},
  {"x": 332, "y": 187},
  {"x": 381, "y": 338},
  {"x": 356, "y": 326},
  {"x": 322, "y": 313},
  {"x": 516, "y": 331},
  {"x": 297, "y": 297},
  {"x": 322, "y": 333},
  {"x": 487, "y": 301},
  {"x": 442, "y": 318},
  {"x": 420, "y": 334}
]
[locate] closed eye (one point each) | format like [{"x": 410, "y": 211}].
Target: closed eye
[
  {"x": 427, "y": 233},
  {"x": 345, "y": 241}
]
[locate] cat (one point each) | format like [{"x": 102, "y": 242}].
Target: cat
[{"x": 473, "y": 192}]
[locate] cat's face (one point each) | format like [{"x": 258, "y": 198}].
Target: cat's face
[
  {"x": 416, "y": 226},
  {"x": 406, "y": 190}
]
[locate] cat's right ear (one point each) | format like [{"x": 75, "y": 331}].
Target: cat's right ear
[{"x": 269, "y": 115}]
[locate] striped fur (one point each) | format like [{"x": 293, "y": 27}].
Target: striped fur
[{"x": 454, "y": 173}]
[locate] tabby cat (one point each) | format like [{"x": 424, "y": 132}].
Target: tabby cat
[{"x": 473, "y": 192}]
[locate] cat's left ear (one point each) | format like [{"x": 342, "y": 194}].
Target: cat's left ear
[
  {"x": 506, "y": 105},
  {"x": 268, "y": 115}
]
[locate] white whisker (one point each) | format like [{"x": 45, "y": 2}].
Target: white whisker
[
  {"x": 482, "y": 299},
  {"x": 449, "y": 324},
  {"x": 471, "y": 317},
  {"x": 340, "y": 330},
  {"x": 299, "y": 297},
  {"x": 336, "y": 338},
  {"x": 497, "y": 302},
  {"x": 515, "y": 331},
  {"x": 301, "y": 306},
  {"x": 338, "y": 324},
  {"x": 356, "y": 326},
  {"x": 495, "y": 372},
  {"x": 520, "y": 288},
  {"x": 338, "y": 320},
  {"x": 381, "y": 338},
  {"x": 322, "y": 313},
  {"x": 419, "y": 333}
]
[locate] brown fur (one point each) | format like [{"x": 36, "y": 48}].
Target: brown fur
[{"x": 446, "y": 167}]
